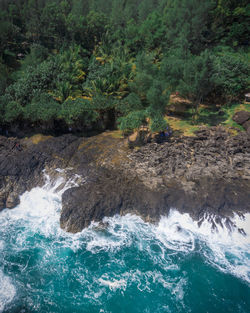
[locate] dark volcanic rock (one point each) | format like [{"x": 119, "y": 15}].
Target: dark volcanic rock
[
  {"x": 21, "y": 166},
  {"x": 241, "y": 117},
  {"x": 246, "y": 125},
  {"x": 206, "y": 173},
  {"x": 110, "y": 194},
  {"x": 95, "y": 200}
]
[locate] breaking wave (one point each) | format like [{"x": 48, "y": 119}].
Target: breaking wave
[{"x": 179, "y": 265}]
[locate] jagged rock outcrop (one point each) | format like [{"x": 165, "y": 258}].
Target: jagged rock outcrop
[
  {"x": 209, "y": 172},
  {"x": 22, "y": 163},
  {"x": 206, "y": 173}
]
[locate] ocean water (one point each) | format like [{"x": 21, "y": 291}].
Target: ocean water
[{"x": 131, "y": 266}]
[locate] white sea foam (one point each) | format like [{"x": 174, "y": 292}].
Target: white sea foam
[
  {"x": 145, "y": 281},
  {"x": 7, "y": 291},
  {"x": 115, "y": 284},
  {"x": 39, "y": 209},
  {"x": 225, "y": 248},
  {"x": 2, "y": 244},
  {"x": 223, "y": 245},
  {"x": 118, "y": 233},
  {"x": 39, "y": 212}
]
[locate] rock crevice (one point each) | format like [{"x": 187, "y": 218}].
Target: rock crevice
[{"x": 206, "y": 173}]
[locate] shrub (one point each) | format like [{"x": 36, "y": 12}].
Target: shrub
[
  {"x": 13, "y": 111},
  {"x": 230, "y": 74},
  {"x": 42, "y": 109},
  {"x": 79, "y": 110}
]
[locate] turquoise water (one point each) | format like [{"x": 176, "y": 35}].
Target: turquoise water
[{"x": 129, "y": 267}]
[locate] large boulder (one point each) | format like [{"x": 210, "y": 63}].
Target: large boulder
[
  {"x": 246, "y": 125},
  {"x": 241, "y": 117}
]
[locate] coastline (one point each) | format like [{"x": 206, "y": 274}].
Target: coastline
[{"x": 208, "y": 173}]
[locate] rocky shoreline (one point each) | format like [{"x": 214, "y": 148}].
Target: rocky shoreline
[{"x": 206, "y": 173}]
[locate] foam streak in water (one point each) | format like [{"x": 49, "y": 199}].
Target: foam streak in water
[
  {"x": 127, "y": 257},
  {"x": 225, "y": 248},
  {"x": 7, "y": 291}
]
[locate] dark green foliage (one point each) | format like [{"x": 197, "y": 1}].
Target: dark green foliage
[
  {"x": 13, "y": 111},
  {"x": 37, "y": 55},
  {"x": 196, "y": 81},
  {"x": 158, "y": 124},
  {"x": 230, "y": 74},
  {"x": 130, "y": 103},
  {"x": 42, "y": 108},
  {"x": 70, "y": 65},
  {"x": 102, "y": 103},
  {"x": 78, "y": 110},
  {"x": 96, "y": 24},
  {"x": 3, "y": 77},
  {"x": 172, "y": 67},
  {"x": 232, "y": 22},
  {"x": 187, "y": 24},
  {"x": 148, "y": 98},
  {"x": 32, "y": 81},
  {"x": 86, "y": 62},
  {"x": 133, "y": 120}
]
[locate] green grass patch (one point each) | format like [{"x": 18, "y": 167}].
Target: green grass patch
[
  {"x": 208, "y": 116},
  {"x": 184, "y": 127},
  {"x": 231, "y": 110}
]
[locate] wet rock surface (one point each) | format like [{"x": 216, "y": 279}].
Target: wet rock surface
[
  {"x": 206, "y": 173},
  {"x": 22, "y": 163}
]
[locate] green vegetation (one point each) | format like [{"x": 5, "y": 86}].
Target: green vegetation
[
  {"x": 229, "y": 112},
  {"x": 99, "y": 64}
]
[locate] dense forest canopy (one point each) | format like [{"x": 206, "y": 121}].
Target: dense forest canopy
[{"x": 115, "y": 63}]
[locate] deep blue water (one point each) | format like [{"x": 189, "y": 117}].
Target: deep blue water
[{"x": 129, "y": 267}]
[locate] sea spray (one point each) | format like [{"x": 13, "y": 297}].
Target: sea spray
[
  {"x": 179, "y": 265},
  {"x": 7, "y": 291},
  {"x": 224, "y": 247}
]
